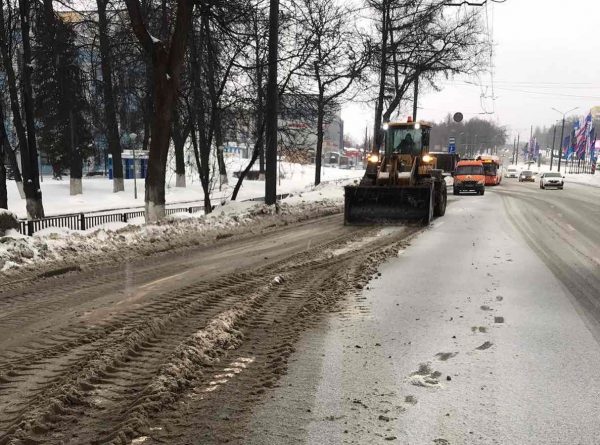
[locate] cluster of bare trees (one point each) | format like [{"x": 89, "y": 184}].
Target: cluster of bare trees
[
  {"x": 471, "y": 136},
  {"x": 185, "y": 74}
]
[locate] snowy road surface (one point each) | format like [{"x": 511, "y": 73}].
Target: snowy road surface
[{"x": 482, "y": 329}]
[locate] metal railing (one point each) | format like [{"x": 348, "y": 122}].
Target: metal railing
[{"x": 81, "y": 221}]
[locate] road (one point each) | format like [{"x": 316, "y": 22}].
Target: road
[
  {"x": 484, "y": 331},
  {"x": 483, "y": 328},
  {"x": 104, "y": 354}
]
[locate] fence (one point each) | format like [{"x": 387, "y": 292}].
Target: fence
[{"x": 81, "y": 221}]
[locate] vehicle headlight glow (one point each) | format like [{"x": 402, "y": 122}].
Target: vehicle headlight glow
[
  {"x": 427, "y": 159},
  {"x": 417, "y": 126},
  {"x": 385, "y": 126},
  {"x": 374, "y": 157}
]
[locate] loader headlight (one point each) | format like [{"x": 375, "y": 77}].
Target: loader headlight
[
  {"x": 427, "y": 159},
  {"x": 374, "y": 158}
]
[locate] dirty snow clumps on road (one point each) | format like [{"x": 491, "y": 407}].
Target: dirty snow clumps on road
[{"x": 54, "y": 247}]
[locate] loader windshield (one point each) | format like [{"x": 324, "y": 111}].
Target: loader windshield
[{"x": 406, "y": 141}]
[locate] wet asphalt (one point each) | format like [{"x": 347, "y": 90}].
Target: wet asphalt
[{"x": 485, "y": 330}]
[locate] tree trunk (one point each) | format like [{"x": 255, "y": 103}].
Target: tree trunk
[
  {"x": 3, "y": 193},
  {"x": 9, "y": 154},
  {"x": 110, "y": 111},
  {"x": 180, "y": 136},
  {"x": 75, "y": 170},
  {"x": 319, "y": 152},
  {"x": 255, "y": 154},
  {"x": 219, "y": 142},
  {"x": 148, "y": 105},
  {"x": 271, "y": 105},
  {"x": 29, "y": 153},
  {"x": 3, "y": 147},
  {"x": 164, "y": 95},
  {"x": 167, "y": 62},
  {"x": 377, "y": 135}
]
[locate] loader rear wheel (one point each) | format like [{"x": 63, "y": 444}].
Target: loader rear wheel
[{"x": 441, "y": 198}]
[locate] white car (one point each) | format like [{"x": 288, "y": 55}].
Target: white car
[
  {"x": 511, "y": 172},
  {"x": 552, "y": 179}
]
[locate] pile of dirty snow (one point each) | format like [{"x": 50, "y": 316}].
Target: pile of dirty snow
[{"x": 117, "y": 242}]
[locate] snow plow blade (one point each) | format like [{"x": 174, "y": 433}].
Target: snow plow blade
[{"x": 388, "y": 204}]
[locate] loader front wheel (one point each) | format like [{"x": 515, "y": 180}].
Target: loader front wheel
[{"x": 441, "y": 198}]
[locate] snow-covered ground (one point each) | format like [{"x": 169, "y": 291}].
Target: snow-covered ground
[
  {"x": 97, "y": 191},
  {"x": 119, "y": 240}
]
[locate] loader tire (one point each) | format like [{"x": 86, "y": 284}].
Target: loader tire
[{"x": 441, "y": 199}]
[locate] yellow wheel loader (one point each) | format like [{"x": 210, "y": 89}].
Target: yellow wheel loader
[{"x": 401, "y": 183}]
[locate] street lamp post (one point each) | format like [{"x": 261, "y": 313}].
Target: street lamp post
[
  {"x": 552, "y": 149},
  {"x": 133, "y": 137},
  {"x": 562, "y": 133}
]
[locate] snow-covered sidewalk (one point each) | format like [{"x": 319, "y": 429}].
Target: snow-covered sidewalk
[{"x": 98, "y": 196}]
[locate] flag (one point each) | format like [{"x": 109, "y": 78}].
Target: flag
[
  {"x": 567, "y": 149},
  {"x": 582, "y": 136},
  {"x": 593, "y": 145}
]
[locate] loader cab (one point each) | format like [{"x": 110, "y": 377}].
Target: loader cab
[
  {"x": 407, "y": 138},
  {"x": 404, "y": 145}
]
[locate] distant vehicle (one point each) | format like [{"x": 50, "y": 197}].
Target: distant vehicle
[
  {"x": 331, "y": 159},
  {"x": 552, "y": 179},
  {"x": 511, "y": 172},
  {"x": 526, "y": 176},
  {"x": 469, "y": 176},
  {"x": 492, "y": 166},
  {"x": 445, "y": 161}
]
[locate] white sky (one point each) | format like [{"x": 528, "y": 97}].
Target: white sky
[{"x": 546, "y": 55}]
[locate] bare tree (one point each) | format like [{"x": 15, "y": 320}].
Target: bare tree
[
  {"x": 167, "y": 63},
  {"x": 110, "y": 110},
  {"x": 339, "y": 56},
  {"x": 293, "y": 55},
  {"x": 419, "y": 40},
  {"x": 25, "y": 129}
]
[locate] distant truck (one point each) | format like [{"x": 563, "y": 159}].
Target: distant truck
[
  {"x": 469, "y": 176},
  {"x": 446, "y": 161}
]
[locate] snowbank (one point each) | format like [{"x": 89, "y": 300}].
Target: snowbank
[{"x": 117, "y": 241}]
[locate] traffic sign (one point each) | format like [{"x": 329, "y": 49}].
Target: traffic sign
[{"x": 451, "y": 145}]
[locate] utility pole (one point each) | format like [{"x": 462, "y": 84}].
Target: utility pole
[
  {"x": 531, "y": 148},
  {"x": 271, "y": 107},
  {"x": 562, "y": 134},
  {"x": 514, "y": 149},
  {"x": 517, "y": 152},
  {"x": 552, "y": 150}
]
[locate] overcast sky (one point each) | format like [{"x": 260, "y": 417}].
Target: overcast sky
[{"x": 546, "y": 55}]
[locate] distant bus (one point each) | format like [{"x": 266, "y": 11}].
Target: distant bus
[{"x": 492, "y": 166}]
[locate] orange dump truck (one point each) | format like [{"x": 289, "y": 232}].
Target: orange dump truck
[{"x": 469, "y": 176}]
